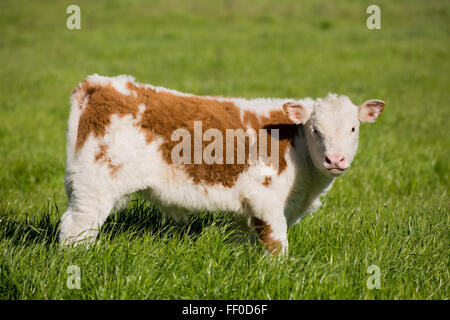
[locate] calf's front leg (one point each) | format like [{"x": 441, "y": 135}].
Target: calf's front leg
[{"x": 272, "y": 234}]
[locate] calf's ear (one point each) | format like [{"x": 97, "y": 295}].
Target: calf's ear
[
  {"x": 370, "y": 110},
  {"x": 296, "y": 112}
]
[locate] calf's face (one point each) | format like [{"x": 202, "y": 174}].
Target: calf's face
[{"x": 331, "y": 129}]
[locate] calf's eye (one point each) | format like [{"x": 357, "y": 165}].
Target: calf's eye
[
  {"x": 315, "y": 132},
  {"x": 353, "y": 129}
]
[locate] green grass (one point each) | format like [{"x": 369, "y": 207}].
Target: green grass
[{"x": 390, "y": 210}]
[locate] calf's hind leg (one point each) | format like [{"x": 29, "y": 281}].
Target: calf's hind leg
[{"x": 87, "y": 211}]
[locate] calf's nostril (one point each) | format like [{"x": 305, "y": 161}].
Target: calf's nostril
[{"x": 327, "y": 160}]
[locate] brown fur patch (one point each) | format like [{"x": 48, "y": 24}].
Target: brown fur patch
[
  {"x": 267, "y": 181},
  {"x": 165, "y": 112},
  {"x": 101, "y": 152},
  {"x": 264, "y": 232},
  {"x": 113, "y": 168},
  {"x": 277, "y": 120},
  {"x": 102, "y": 155},
  {"x": 104, "y": 101}
]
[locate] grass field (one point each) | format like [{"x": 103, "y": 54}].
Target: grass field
[{"x": 391, "y": 210}]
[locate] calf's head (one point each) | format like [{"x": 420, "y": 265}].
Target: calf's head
[{"x": 331, "y": 129}]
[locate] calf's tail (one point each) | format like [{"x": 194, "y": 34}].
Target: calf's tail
[{"x": 78, "y": 101}]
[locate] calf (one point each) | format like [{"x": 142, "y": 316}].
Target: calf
[{"x": 125, "y": 137}]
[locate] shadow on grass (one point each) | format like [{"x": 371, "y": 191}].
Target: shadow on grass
[
  {"x": 140, "y": 218},
  {"x": 144, "y": 218},
  {"x": 41, "y": 227},
  {"x": 8, "y": 289}
]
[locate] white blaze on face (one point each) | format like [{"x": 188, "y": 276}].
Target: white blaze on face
[{"x": 332, "y": 129}]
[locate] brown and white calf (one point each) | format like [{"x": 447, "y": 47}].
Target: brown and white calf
[{"x": 124, "y": 137}]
